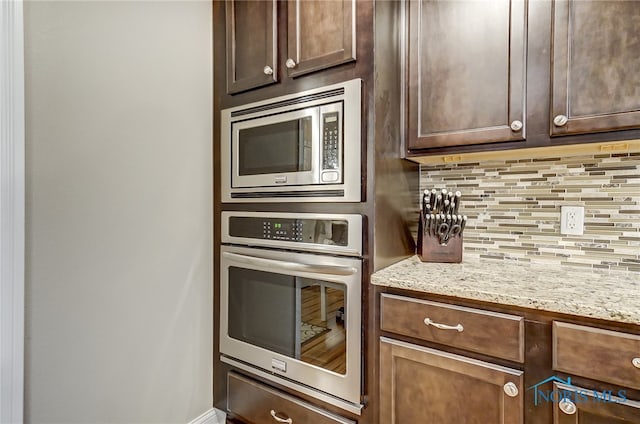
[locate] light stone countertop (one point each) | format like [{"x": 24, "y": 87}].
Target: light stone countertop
[{"x": 608, "y": 295}]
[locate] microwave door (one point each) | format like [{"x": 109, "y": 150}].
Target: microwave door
[{"x": 276, "y": 150}]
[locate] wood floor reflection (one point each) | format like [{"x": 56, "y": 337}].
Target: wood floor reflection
[{"x": 328, "y": 350}]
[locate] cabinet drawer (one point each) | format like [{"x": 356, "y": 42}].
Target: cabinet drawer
[
  {"x": 489, "y": 333},
  {"x": 604, "y": 355},
  {"x": 257, "y": 404}
]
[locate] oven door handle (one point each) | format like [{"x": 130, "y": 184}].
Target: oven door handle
[{"x": 291, "y": 266}]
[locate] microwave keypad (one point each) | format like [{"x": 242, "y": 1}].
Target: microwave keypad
[{"x": 330, "y": 141}]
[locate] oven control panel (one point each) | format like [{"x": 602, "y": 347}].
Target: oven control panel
[
  {"x": 297, "y": 230},
  {"x": 340, "y": 234}
]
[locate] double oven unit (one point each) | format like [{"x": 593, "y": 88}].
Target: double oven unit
[{"x": 291, "y": 282}]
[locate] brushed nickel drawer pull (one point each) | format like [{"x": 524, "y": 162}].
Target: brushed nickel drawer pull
[
  {"x": 459, "y": 327},
  {"x": 280, "y": 420},
  {"x": 636, "y": 362},
  {"x": 567, "y": 406},
  {"x": 511, "y": 389}
]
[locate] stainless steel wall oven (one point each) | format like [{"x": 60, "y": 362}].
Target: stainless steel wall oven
[{"x": 290, "y": 301}]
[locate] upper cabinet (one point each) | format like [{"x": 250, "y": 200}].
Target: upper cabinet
[
  {"x": 467, "y": 72},
  {"x": 321, "y": 34},
  {"x": 252, "y": 30},
  {"x": 520, "y": 74},
  {"x": 596, "y": 82},
  {"x": 318, "y": 34}
]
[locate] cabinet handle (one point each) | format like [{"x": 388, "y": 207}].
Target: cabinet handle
[
  {"x": 268, "y": 70},
  {"x": 516, "y": 125},
  {"x": 511, "y": 389},
  {"x": 567, "y": 406},
  {"x": 459, "y": 327},
  {"x": 280, "y": 420},
  {"x": 560, "y": 121},
  {"x": 290, "y": 63},
  {"x": 636, "y": 362}
]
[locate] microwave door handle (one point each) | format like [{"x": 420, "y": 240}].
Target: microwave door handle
[{"x": 291, "y": 266}]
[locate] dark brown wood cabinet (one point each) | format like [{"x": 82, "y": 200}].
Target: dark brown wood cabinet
[
  {"x": 501, "y": 75},
  {"x": 596, "y": 83},
  {"x": 419, "y": 384},
  {"x": 321, "y": 34},
  {"x": 255, "y": 403},
  {"x": 251, "y": 44},
  {"x": 318, "y": 35},
  {"x": 466, "y": 79},
  {"x": 580, "y": 406}
]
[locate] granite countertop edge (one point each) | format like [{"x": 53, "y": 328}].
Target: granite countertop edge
[{"x": 611, "y": 296}]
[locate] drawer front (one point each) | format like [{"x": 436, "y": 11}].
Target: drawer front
[
  {"x": 255, "y": 403},
  {"x": 489, "y": 333},
  {"x": 604, "y": 355}
]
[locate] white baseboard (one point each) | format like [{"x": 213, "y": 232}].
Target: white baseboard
[{"x": 212, "y": 416}]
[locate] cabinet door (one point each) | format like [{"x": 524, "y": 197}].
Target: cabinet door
[
  {"x": 251, "y": 44},
  {"x": 466, "y": 72},
  {"x": 422, "y": 385},
  {"x": 596, "y": 83},
  {"x": 582, "y": 407},
  {"x": 321, "y": 34}
]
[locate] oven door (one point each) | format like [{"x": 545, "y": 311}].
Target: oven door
[
  {"x": 277, "y": 150},
  {"x": 295, "y": 315}
]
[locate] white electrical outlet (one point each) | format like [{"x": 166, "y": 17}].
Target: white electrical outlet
[{"x": 572, "y": 220}]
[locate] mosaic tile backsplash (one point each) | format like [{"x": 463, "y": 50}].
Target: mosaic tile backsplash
[{"x": 514, "y": 208}]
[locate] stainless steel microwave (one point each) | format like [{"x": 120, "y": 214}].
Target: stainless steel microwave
[{"x": 303, "y": 147}]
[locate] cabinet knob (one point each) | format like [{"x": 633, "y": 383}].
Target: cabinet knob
[
  {"x": 567, "y": 406},
  {"x": 290, "y": 63},
  {"x": 268, "y": 70},
  {"x": 280, "y": 420},
  {"x": 636, "y": 362},
  {"x": 511, "y": 389},
  {"x": 516, "y": 125},
  {"x": 560, "y": 121}
]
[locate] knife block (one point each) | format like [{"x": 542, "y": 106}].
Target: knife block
[{"x": 430, "y": 249}]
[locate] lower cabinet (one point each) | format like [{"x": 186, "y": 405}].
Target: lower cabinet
[
  {"x": 254, "y": 403},
  {"x": 577, "y": 405},
  {"x": 423, "y": 385}
]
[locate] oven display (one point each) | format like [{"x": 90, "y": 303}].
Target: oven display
[{"x": 315, "y": 231}]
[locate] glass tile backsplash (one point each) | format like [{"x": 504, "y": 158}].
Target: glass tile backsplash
[{"x": 514, "y": 208}]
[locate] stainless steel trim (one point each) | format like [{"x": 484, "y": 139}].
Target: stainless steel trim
[
  {"x": 354, "y": 408},
  {"x": 354, "y": 236},
  {"x": 458, "y": 327},
  {"x": 351, "y": 94},
  {"x": 344, "y": 386},
  {"x": 290, "y": 266}
]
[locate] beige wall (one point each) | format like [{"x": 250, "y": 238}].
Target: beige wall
[{"x": 119, "y": 194}]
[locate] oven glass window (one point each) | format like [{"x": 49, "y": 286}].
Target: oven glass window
[
  {"x": 298, "y": 317},
  {"x": 275, "y": 148}
]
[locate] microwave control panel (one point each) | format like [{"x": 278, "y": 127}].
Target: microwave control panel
[
  {"x": 331, "y": 155},
  {"x": 315, "y": 231}
]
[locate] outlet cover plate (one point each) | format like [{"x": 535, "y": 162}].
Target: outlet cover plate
[{"x": 572, "y": 220}]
